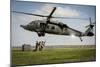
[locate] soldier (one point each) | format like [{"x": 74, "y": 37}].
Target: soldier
[
  {"x": 41, "y": 46},
  {"x": 23, "y": 47},
  {"x": 26, "y": 47},
  {"x": 37, "y": 45}
]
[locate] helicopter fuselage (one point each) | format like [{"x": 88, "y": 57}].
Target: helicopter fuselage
[{"x": 53, "y": 27}]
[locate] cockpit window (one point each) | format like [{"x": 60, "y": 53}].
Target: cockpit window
[
  {"x": 52, "y": 27},
  {"x": 47, "y": 26},
  {"x": 31, "y": 23}
]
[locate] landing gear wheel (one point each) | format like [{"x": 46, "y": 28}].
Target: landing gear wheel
[{"x": 41, "y": 34}]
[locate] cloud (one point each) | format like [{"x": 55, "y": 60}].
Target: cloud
[
  {"x": 60, "y": 11},
  {"x": 46, "y": 10}
]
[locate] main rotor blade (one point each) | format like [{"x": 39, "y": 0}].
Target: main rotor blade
[
  {"x": 30, "y": 14},
  {"x": 52, "y": 12},
  {"x": 70, "y": 18},
  {"x": 48, "y": 19},
  {"x": 90, "y": 20}
]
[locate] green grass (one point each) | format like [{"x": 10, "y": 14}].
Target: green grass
[{"x": 53, "y": 55}]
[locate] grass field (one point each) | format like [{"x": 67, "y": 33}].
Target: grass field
[{"x": 53, "y": 55}]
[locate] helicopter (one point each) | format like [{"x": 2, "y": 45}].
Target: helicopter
[{"x": 53, "y": 27}]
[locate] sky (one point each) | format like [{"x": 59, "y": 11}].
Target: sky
[{"x": 20, "y": 36}]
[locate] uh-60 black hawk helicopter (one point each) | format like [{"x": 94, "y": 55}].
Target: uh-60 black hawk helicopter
[{"x": 54, "y": 27}]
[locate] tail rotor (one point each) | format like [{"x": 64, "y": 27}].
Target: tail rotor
[
  {"x": 91, "y": 25},
  {"x": 89, "y": 31}
]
